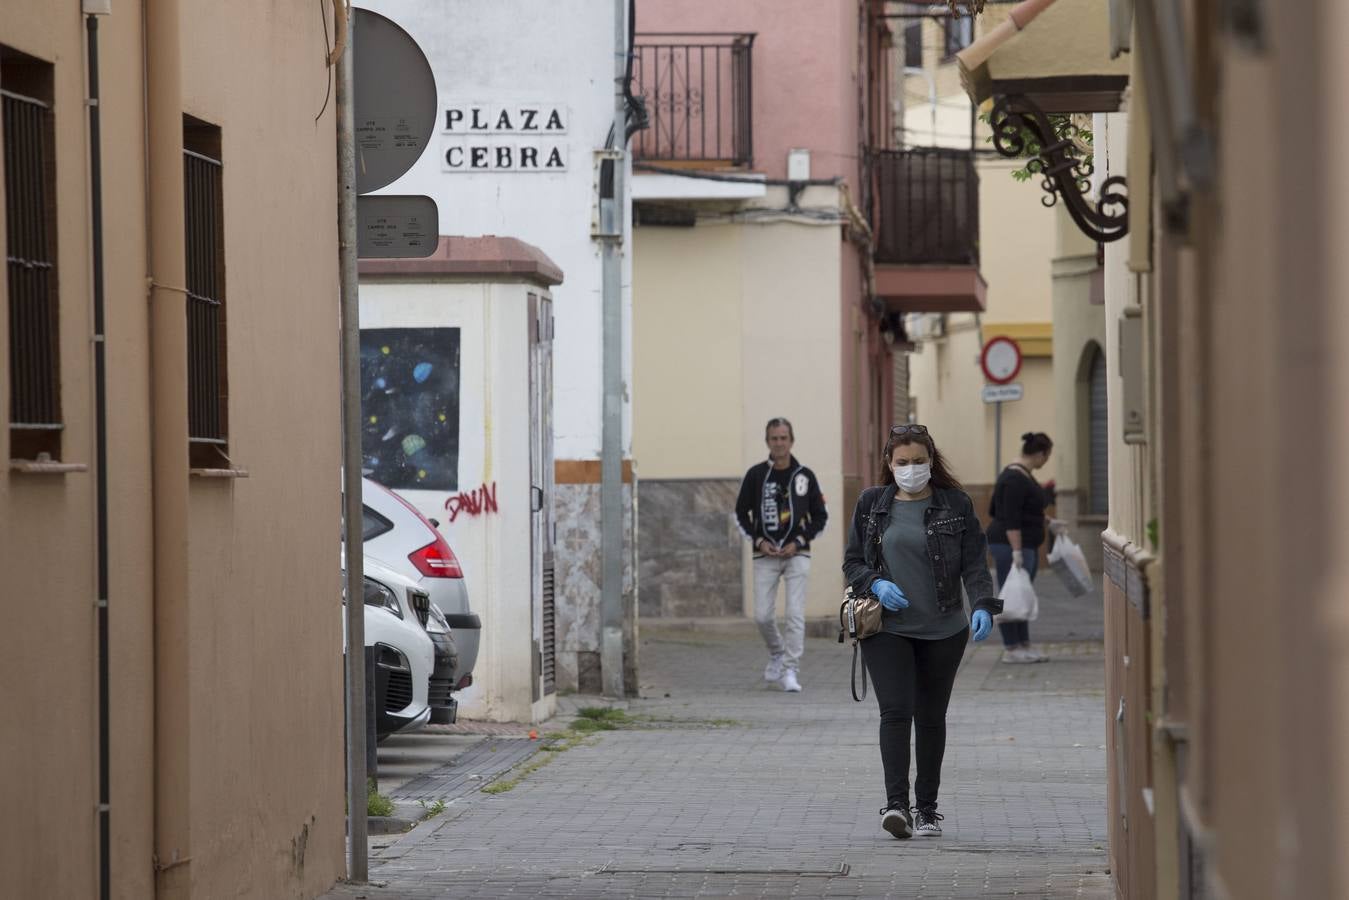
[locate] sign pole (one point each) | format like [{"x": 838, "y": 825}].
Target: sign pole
[
  {"x": 997, "y": 440},
  {"x": 357, "y": 871}
]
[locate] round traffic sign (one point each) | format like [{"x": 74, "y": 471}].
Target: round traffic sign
[
  {"x": 394, "y": 99},
  {"x": 1001, "y": 360}
]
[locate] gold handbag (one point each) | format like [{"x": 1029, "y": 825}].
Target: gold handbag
[{"x": 858, "y": 618}]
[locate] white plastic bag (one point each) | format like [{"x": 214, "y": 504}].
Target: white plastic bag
[
  {"x": 1070, "y": 564},
  {"x": 1019, "y": 603}
]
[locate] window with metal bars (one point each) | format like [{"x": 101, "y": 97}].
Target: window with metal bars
[
  {"x": 913, "y": 45},
  {"x": 207, "y": 381},
  {"x": 959, "y": 35},
  {"x": 29, "y": 137}
]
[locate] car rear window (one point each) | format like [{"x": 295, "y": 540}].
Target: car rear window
[{"x": 373, "y": 524}]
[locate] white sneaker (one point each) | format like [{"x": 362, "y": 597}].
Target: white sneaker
[
  {"x": 898, "y": 822},
  {"x": 1035, "y": 655},
  {"x": 789, "y": 682},
  {"x": 1017, "y": 656},
  {"x": 773, "y": 672}
]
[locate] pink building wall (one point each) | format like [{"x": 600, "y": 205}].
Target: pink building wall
[{"x": 809, "y": 68}]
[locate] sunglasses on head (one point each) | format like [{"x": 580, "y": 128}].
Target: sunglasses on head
[{"x": 897, "y": 430}]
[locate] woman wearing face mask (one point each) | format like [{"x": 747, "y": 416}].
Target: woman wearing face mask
[
  {"x": 1017, "y": 531},
  {"x": 914, "y": 541}
]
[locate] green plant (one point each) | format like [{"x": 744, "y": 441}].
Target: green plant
[
  {"x": 600, "y": 718},
  {"x": 501, "y": 786},
  {"x": 1154, "y": 534},
  {"x": 376, "y": 804},
  {"x": 1066, "y": 127},
  {"x": 433, "y": 809}
]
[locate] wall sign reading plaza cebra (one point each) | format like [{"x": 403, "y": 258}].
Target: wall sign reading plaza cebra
[{"x": 504, "y": 137}]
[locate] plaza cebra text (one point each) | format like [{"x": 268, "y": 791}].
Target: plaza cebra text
[{"x": 504, "y": 137}]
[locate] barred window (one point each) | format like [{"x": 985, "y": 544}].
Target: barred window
[
  {"x": 207, "y": 382},
  {"x": 29, "y": 137},
  {"x": 959, "y": 35},
  {"x": 913, "y": 45}
]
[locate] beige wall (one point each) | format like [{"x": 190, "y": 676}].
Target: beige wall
[
  {"x": 265, "y": 790},
  {"x": 732, "y": 325},
  {"x": 1079, "y": 325},
  {"x": 1016, "y": 244},
  {"x": 688, "y": 365}
]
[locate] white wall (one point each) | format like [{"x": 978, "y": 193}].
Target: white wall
[
  {"x": 494, "y": 547},
  {"x": 523, "y": 50}
]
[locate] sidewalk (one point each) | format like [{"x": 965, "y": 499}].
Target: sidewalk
[{"x": 783, "y": 802}]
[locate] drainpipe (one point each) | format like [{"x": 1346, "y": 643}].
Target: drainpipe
[
  {"x": 92, "y": 10},
  {"x": 169, "y": 456},
  {"x": 613, "y": 215}
]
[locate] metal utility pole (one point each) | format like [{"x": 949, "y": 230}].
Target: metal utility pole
[
  {"x": 351, "y": 464},
  {"x": 613, "y": 216}
]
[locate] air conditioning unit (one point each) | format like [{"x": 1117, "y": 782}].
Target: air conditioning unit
[{"x": 925, "y": 326}]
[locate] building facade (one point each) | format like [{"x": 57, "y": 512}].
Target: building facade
[
  {"x": 1225, "y": 637},
  {"x": 1040, "y": 275},
  {"x": 522, "y": 113},
  {"x": 179, "y": 732},
  {"x": 753, "y": 278}
]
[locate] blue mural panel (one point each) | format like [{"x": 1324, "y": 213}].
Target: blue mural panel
[{"x": 410, "y": 407}]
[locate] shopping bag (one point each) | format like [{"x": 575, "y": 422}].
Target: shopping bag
[
  {"x": 1070, "y": 564},
  {"x": 1019, "y": 603}
]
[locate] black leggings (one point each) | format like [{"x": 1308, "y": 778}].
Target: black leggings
[{"x": 912, "y": 679}]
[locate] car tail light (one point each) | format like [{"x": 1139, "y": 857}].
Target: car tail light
[
  {"x": 464, "y": 682},
  {"x": 437, "y": 560}
]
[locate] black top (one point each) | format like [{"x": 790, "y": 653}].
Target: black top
[
  {"x": 781, "y": 505},
  {"x": 1018, "y": 503}
]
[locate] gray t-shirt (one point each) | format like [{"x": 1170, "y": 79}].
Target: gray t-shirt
[{"x": 904, "y": 548}]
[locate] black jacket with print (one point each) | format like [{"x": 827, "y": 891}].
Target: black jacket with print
[{"x": 806, "y": 515}]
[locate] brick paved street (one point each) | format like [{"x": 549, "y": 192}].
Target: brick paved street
[{"x": 783, "y": 803}]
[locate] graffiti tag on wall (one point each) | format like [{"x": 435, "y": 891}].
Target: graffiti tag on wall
[{"x": 477, "y": 502}]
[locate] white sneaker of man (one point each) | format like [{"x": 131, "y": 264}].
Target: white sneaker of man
[
  {"x": 789, "y": 682},
  {"x": 1017, "y": 655},
  {"x": 773, "y": 672},
  {"x": 1035, "y": 655}
]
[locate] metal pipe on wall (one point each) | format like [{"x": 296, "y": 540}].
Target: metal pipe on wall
[
  {"x": 169, "y": 447},
  {"x": 100, "y": 451},
  {"x": 351, "y": 463},
  {"x": 611, "y": 443}
]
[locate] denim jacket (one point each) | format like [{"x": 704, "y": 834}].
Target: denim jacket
[{"x": 955, "y": 546}]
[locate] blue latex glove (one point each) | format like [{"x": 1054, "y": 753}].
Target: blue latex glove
[
  {"x": 981, "y": 623},
  {"x": 891, "y": 597}
]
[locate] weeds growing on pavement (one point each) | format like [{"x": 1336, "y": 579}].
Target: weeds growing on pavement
[
  {"x": 376, "y": 804},
  {"x": 501, "y": 786},
  {"x": 432, "y": 809}
]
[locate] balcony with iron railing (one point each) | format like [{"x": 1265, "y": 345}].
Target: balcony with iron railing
[
  {"x": 698, "y": 90},
  {"x": 925, "y": 214}
]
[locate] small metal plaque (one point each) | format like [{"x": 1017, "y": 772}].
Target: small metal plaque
[{"x": 396, "y": 226}]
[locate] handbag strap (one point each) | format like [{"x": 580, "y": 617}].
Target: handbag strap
[{"x": 856, "y": 649}]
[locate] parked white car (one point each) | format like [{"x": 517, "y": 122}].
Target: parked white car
[
  {"x": 396, "y": 610},
  {"x": 399, "y": 536}
]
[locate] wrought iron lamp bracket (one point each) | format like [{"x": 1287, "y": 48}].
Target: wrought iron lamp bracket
[{"x": 1065, "y": 174}]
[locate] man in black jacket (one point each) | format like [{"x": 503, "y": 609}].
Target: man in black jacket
[{"x": 780, "y": 510}]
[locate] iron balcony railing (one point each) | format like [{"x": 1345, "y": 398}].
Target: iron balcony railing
[
  {"x": 30, "y": 262},
  {"x": 699, "y": 93},
  {"x": 926, "y": 207}
]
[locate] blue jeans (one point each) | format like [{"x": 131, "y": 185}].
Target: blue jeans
[{"x": 1014, "y": 634}]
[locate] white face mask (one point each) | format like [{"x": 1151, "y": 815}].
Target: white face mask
[{"x": 913, "y": 478}]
